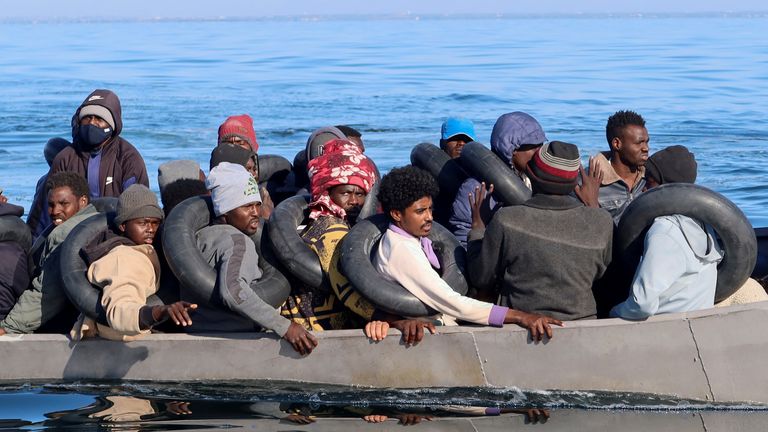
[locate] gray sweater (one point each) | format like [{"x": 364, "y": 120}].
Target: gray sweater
[
  {"x": 236, "y": 307},
  {"x": 543, "y": 256}
]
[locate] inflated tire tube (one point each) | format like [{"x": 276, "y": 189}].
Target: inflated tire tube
[
  {"x": 105, "y": 204},
  {"x": 187, "y": 263},
  {"x": 13, "y": 229},
  {"x": 358, "y": 248},
  {"x": 482, "y": 164},
  {"x": 288, "y": 246},
  {"x": 448, "y": 173},
  {"x": 273, "y": 166},
  {"x": 371, "y": 204},
  {"x": 734, "y": 230},
  {"x": 85, "y": 296}
]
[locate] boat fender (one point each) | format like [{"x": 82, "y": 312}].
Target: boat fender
[
  {"x": 13, "y": 229},
  {"x": 736, "y": 234},
  {"x": 193, "y": 272},
  {"x": 482, "y": 164},
  {"x": 358, "y": 248}
]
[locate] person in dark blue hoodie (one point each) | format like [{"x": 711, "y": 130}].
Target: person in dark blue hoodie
[
  {"x": 15, "y": 242},
  {"x": 108, "y": 162}
]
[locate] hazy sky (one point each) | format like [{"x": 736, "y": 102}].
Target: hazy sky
[{"x": 147, "y": 9}]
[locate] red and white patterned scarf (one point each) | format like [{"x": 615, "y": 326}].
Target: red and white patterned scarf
[{"x": 341, "y": 163}]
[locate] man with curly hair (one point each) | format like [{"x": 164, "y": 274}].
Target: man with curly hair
[
  {"x": 405, "y": 256},
  {"x": 617, "y": 176}
]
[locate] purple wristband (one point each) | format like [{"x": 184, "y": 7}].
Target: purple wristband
[
  {"x": 497, "y": 315},
  {"x": 492, "y": 411}
]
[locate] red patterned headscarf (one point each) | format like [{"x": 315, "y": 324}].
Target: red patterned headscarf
[{"x": 341, "y": 163}]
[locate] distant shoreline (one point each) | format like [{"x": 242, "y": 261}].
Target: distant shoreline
[{"x": 392, "y": 17}]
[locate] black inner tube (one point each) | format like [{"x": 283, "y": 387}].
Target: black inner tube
[
  {"x": 482, "y": 164},
  {"x": 448, "y": 173},
  {"x": 288, "y": 246},
  {"x": 359, "y": 247},
  {"x": 736, "y": 234},
  {"x": 193, "y": 272}
]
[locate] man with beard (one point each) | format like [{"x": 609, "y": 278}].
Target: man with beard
[
  {"x": 68, "y": 205},
  {"x": 126, "y": 269},
  {"x": 108, "y": 162},
  {"x": 405, "y": 256},
  {"x": 616, "y": 177}
]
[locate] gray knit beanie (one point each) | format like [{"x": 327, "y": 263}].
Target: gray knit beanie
[
  {"x": 137, "y": 202},
  {"x": 231, "y": 186}
]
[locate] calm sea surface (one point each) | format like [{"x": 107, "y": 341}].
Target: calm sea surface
[{"x": 701, "y": 82}]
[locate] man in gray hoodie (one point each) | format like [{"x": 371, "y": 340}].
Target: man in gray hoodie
[{"x": 678, "y": 270}]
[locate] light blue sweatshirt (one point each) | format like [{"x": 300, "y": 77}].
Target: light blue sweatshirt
[{"x": 678, "y": 270}]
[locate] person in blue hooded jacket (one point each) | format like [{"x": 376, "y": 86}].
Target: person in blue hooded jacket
[
  {"x": 678, "y": 269},
  {"x": 515, "y": 138}
]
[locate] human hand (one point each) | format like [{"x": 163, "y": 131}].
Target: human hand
[
  {"x": 377, "y": 330},
  {"x": 301, "y": 340},
  {"x": 413, "y": 330},
  {"x": 2, "y": 331},
  {"x": 3, "y": 198},
  {"x": 178, "y": 312},
  {"x": 589, "y": 190},
  {"x": 375, "y": 418},
  {"x": 412, "y": 419},
  {"x": 538, "y": 325},
  {"x": 476, "y": 202},
  {"x": 178, "y": 408},
  {"x": 299, "y": 419}
]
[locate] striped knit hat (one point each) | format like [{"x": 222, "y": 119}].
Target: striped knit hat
[{"x": 554, "y": 168}]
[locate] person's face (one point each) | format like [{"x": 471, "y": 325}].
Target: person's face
[
  {"x": 252, "y": 166},
  {"x": 63, "y": 204},
  {"x": 416, "y": 219},
  {"x": 454, "y": 146},
  {"x": 523, "y": 155},
  {"x": 348, "y": 197},
  {"x": 245, "y": 218},
  {"x": 141, "y": 230},
  {"x": 632, "y": 146},
  {"x": 94, "y": 120},
  {"x": 236, "y": 140}
]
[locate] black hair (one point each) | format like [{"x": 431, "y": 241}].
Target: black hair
[
  {"x": 403, "y": 186},
  {"x": 619, "y": 120},
  {"x": 74, "y": 181},
  {"x": 179, "y": 190},
  {"x": 349, "y": 131}
]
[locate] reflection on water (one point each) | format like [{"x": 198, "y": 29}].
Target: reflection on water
[{"x": 277, "y": 406}]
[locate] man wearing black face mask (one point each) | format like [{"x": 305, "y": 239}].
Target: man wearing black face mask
[{"x": 109, "y": 163}]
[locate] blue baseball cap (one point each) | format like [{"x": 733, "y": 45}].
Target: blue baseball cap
[{"x": 457, "y": 126}]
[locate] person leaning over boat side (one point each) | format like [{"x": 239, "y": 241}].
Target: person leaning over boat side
[
  {"x": 545, "y": 254},
  {"x": 678, "y": 269},
  {"x": 514, "y": 139},
  {"x": 68, "y": 205},
  {"x": 38, "y": 218},
  {"x": 454, "y": 133},
  {"x": 616, "y": 177},
  {"x": 127, "y": 270},
  {"x": 238, "y": 131},
  {"x": 227, "y": 247},
  {"x": 108, "y": 162},
  {"x": 14, "y": 262},
  {"x": 405, "y": 256},
  {"x": 340, "y": 180}
]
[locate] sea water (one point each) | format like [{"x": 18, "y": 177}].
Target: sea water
[{"x": 699, "y": 81}]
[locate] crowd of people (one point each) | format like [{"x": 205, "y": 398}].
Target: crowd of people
[{"x": 537, "y": 264}]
